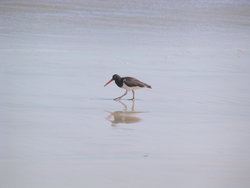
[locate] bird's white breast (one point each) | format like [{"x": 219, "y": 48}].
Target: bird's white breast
[{"x": 124, "y": 86}]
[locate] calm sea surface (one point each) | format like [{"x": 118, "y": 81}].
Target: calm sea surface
[{"x": 59, "y": 126}]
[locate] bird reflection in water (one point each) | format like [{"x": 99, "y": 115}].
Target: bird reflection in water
[{"x": 124, "y": 116}]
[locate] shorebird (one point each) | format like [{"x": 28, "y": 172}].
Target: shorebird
[{"x": 128, "y": 83}]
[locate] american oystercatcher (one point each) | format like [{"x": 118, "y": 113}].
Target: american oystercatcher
[{"x": 128, "y": 83}]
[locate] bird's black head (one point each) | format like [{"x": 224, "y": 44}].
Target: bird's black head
[{"x": 116, "y": 77}]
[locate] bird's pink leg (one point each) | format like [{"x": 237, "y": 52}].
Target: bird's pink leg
[
  {"x": 118, "y": 98},
  {"x": 133, "y": 95}
]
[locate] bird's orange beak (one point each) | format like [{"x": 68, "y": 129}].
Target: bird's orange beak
[{"x": 108, "y": 82}]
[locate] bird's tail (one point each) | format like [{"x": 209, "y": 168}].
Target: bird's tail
[{"x": 148, "y": 86}]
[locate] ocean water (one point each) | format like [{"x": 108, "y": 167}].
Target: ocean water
[{"x": 59, "y": 127}]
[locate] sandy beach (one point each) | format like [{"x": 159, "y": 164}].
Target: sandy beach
[{"x": 59, "y": 127}]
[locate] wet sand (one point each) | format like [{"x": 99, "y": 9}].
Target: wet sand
[{"x": 59, "y": 126}]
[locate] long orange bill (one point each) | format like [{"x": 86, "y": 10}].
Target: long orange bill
[{"x": 108, "y": 82}]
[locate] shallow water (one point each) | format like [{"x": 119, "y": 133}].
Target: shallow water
[{"x": 59, "y": 126}]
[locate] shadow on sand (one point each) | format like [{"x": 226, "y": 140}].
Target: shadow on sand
[{"x": 124, "y": 116}]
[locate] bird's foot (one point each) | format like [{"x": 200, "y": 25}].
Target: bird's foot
[
  {"x": 117, "y": 99},
  {"x": 133, "y": 99}
]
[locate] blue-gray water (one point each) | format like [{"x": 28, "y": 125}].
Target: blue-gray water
[{"x": 59, "y": 126}]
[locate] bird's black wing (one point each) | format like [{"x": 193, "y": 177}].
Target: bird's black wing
[{"x": 133, "y": 82}]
